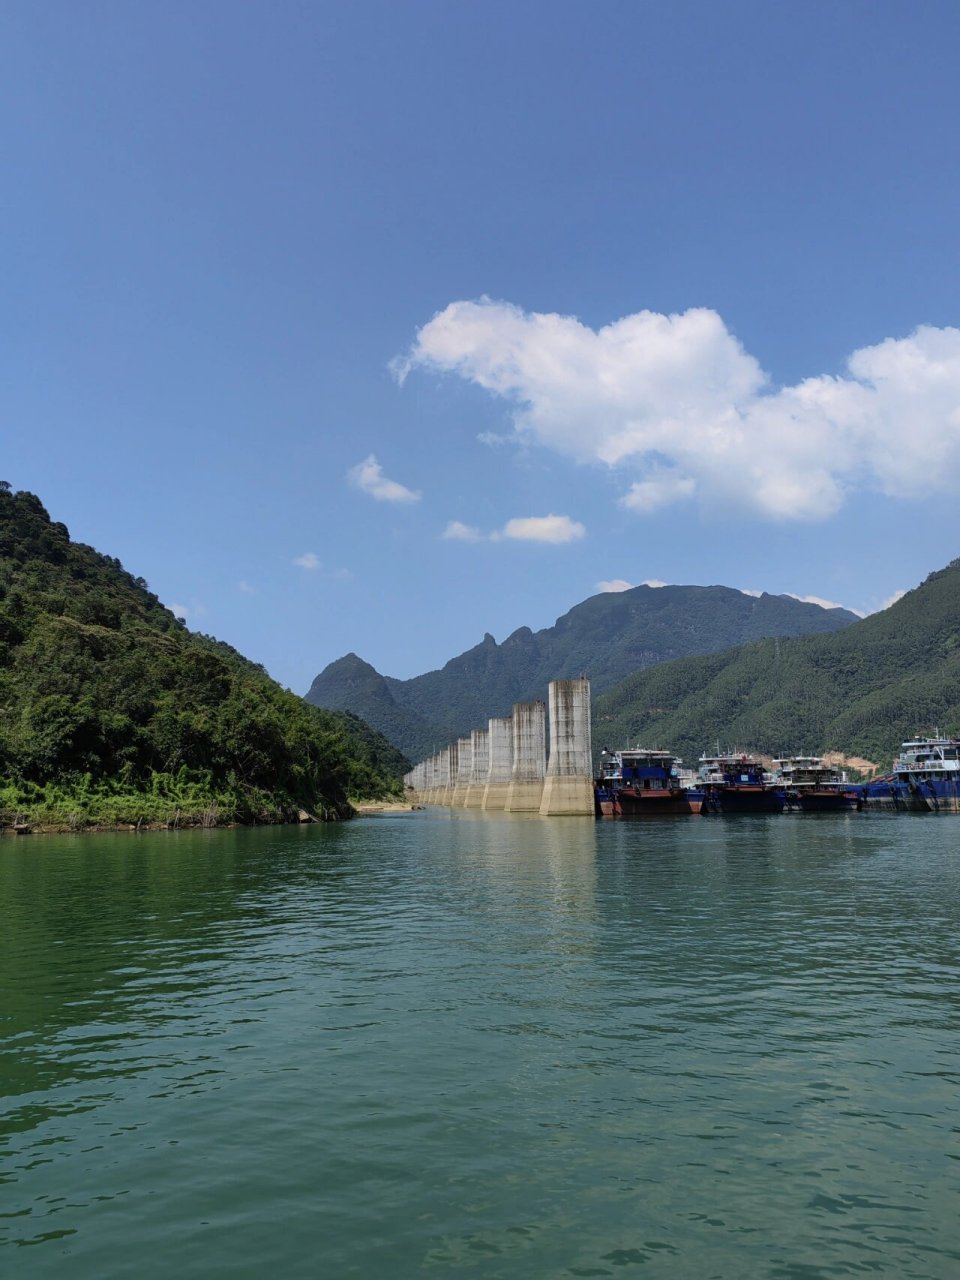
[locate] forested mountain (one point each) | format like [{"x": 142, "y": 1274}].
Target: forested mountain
[
  {"x": 111, "y": 709},
  {"x": 606, "y": 637},
  {"x": 861, "y": 691}
]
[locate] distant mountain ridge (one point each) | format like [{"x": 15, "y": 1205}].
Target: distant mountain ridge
[
  {"x": 861, "y": 691},
  {"x": 607, "y": 637}
]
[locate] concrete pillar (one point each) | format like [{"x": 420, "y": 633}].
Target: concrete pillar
[
  {"x": 464, "y": 765},
  {"x": 433, "y": 777},
  {"x": 479, "y": 754},
  {"x": 500, "y": 761},
  {"x": 428, "y": 778},
  {"x": 453, "y": 768},
  {"x": 529, "y": 758},
  {"x": 568, "y": 788}
]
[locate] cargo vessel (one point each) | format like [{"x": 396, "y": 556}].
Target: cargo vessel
[
  {"x": 737, "y": 783},
  {"x": 641, "y": 782},
  {"x": 813, "y": 786},
  {"x": 925, "y": 778}
]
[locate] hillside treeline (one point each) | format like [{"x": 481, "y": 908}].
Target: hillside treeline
[
  {"x": 861, "y": 691},
  {"x": 110, "y": 709}
]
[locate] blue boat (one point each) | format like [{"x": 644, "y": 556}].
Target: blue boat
[
  {"x": 606, "y": 785},
  {"x": 813, "y": 786},
  {"x": 641, "y": 782},
  {"x": 737, "y": 783},
  {"x": 925, "y": 778}
]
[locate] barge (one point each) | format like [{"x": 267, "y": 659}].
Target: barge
[{"x": 813, "y": 786}]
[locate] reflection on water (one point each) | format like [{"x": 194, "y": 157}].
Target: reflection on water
[{"x": 482, "y": 1045}]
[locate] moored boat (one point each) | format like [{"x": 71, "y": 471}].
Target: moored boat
[
  {"x": 738, "y": 783},
  {"x": 640, "y": 782},
  {"x": 813, "y": 786},
  {"x": 606, "y": 785},
  {"x": 650, "y": 784},
  {"x": 925, "y": 777}
]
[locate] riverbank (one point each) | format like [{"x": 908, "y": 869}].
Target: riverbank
[
  {"x": 365, "y": 808},
  {"x": 166, "y": 803},
  {"x": 25, "y": 826},
  {"x": 141, "y": 813}
]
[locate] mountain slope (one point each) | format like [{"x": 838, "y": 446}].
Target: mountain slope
[
  {"x": 606, "y": 637},
  {"x": 860, "y": 691},
  {"x": 352, "y": 685},
  {"x": 105, "y": 694}
]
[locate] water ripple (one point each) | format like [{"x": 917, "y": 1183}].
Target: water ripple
[{"x": 485, "y": 1047}]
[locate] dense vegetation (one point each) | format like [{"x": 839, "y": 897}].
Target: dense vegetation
[
  {"x": 860, "y": 691},
  {"x": 111, "y": 710},
  {"x": 607, "y": 637}
]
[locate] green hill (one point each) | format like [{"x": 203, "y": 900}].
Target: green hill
[
  {"x": 860, "y": 691},
  {"x": 607, "y": 637},
  {"x": 111, "y": 710}
]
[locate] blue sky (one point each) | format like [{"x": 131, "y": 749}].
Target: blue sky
[{"x": 316, "y": 314}]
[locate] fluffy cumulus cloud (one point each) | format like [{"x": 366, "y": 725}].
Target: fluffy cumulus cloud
[
  {"x": 368, "y": 476},
  {"x": 308, "y": 560},
  {"x": 687, "y": 414},
  {"x": 555, "y": 529},
  {"x": 661, "y": 487}
]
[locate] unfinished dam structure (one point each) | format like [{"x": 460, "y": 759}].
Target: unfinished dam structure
[{"x": 505, "y": 766}]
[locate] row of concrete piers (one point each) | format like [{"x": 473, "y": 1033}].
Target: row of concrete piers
[{"x": 505, "y": 766}]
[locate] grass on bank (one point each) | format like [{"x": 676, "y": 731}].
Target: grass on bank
[{"x": 170, "y": 800}]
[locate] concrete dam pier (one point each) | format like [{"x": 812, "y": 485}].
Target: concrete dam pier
[
  {"x": 529, "y": 758},
  {"x": 504, "y": 767},
  {"x": 568, "y": 788}
]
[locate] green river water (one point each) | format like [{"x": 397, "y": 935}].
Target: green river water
[{"x": 454, "y": 1045}]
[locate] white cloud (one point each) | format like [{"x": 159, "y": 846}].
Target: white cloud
[
  {"x": 308, "y": 561},
  {"x": 555, "y": 529},
  {"x": 746, "y": 591},
  {"x": 196, "y": 609},
  {"x": 824, "y": 604},
  {"x": 897, "y": 595},
  {"x": 653, "y": 582},
  {"x": 368, "y": 476},
  {"x": 614, "y": 584},
  {"x": 246, "y": 588},
  {"x": 678, "y": 401},
  {"x": 459, "y": 532},
  {"x": 660, "y": 488}
]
